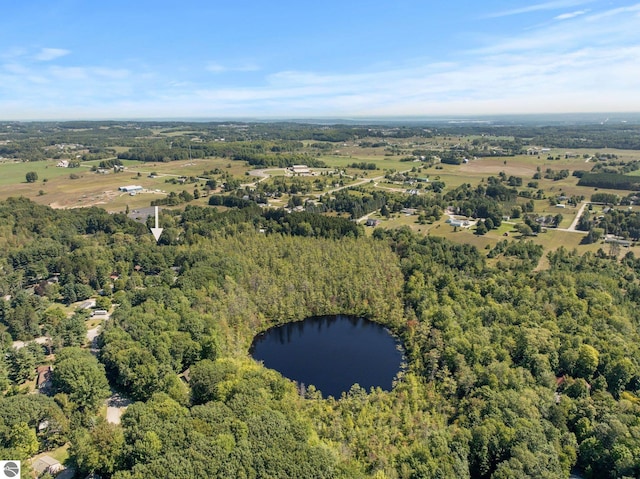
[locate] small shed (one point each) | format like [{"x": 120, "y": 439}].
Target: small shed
[
  {"x": 91, "y": 303},
  {"x": 47, "y": 464}
]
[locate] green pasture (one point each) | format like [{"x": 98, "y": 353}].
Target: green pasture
[
  {"x": 12, "y": 173},
  {"x": 382, "y": 162}
]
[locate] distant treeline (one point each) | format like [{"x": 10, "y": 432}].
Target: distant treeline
[
  {"x": 363, "y": 166},
  {"x": 623, "y": 136},
  {"x": 275, "y": 154},
  {"x": 610, "y": 180},
  {"x": 148, "y": 141}
]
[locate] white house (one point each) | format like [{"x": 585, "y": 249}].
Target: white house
[
  {"x": 131, "y": 188},
  {"x": 458, "y": 223}
]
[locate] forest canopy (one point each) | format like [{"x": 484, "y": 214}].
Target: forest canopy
[{"x": 510, "y": 372}]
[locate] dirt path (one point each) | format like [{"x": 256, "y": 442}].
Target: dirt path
[
  {"x": 116, "y": 406},
  {"x": 574, "y": 223}
]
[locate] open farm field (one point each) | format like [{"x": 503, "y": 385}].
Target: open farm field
[
  {"x": 94, "y": 189},
  {"x": 12, "y": 174}
]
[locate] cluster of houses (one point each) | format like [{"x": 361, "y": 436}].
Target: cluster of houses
[
  {"x": 536, "y": 151},
  {"x": 68, "y": 146}
]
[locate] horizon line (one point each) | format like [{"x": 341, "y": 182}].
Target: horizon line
[{"x": 325, "y": 118}]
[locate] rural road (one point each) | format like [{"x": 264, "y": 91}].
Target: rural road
[
  {"x": 577, "y": 218},
  {"x": 574, "y": 223}
]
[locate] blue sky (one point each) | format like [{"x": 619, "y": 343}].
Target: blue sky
[{"x": 79, "y": 59}]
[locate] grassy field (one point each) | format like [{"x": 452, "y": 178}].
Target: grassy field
[
  {"x": 94, "y": 189},
  {"x": 382, "y": 162},
  {"x": 14, "y": 173}
]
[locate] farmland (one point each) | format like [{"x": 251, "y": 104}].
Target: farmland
[{"x": 544, "y": 179}]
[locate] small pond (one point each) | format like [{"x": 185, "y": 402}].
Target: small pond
[{"x": 332, "y": 353}]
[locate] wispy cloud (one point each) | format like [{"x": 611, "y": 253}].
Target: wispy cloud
[
  {"x": 219, "y": 68},
  {"x": 568, "y": 16},
  {"x": 553, "y": 5},
  {"x": 557, "y": 67},
  {"x": 48, "y": 54},
  {"x": 615, "y": 11}
]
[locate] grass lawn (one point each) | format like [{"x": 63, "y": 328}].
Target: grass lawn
[{"x": 61, "y": 454}]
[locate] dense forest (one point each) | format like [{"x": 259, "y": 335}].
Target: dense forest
[{"x": 510, "y": 372}]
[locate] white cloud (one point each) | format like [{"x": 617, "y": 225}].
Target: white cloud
[
  {"x": 219, "y": 68},
  {"x": 553, "y": 5},
  {"x": 48, "y": 54},
  {"x": 110, "y": 73},
  {"x": 12, "y": 53},
  {"x": 614, "y": 12},
  {"x": 69, "y": 73},
  {"x": 568, "y": 67},
  {"x": 614, "y": 27},
  {"x": 568, "y": 16}
]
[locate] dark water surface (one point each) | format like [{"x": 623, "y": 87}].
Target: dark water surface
[{"x": 332, "y": 353}]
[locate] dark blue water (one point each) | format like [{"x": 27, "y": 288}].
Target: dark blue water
[{"x": 332, "y": 353}]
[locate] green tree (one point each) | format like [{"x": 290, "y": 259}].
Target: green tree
[
  {"x": 31, "y": 177},
  {"x": 70, "y": 331},
  {"x": 23, "y": 440},
  {"x": 524, "y": 229},
  {"x": 586, "y": 362},
  {"x": 99, "y": 450},
  {"x": 22, "y": 364},
  {"x": 206, "y": 378},
  {"x": 103, "y": 302},
  {"x": 489, "y": 224},
  {"x": 78, "y": 374},
  {"x": 618, "y": 374}
]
